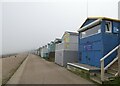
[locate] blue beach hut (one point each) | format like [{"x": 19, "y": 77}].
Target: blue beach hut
[{"x": 97, "y": 37}]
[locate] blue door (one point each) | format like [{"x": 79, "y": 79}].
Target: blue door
[{"x": 89, "y": 53}]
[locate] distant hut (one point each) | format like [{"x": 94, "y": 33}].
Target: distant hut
[
  {"x": 35, "y": 52},
  {"x": 39, "y": 51},
  {"x": 51, "y": 49},
  {"x": 44, "y": 51},
  {"x": 67, "y": 50}
]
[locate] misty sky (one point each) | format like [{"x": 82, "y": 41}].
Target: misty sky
[{"x": 29, "y": 25}]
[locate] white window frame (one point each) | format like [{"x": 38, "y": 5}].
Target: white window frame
[
  {"x": 99, "y": 31},
  {"x": 110, "y": 27}
]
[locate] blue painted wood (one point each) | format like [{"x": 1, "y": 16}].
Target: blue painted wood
[{"x": 94, "y": 47}]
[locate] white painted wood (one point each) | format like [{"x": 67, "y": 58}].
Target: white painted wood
[
  {"x": 78, "y": 66},
  {"x": 111, "y": 63},
  {"x": 119, "y": 61},
  {"x": 109, "y": 53},
  {"x": 102, "y": 70},
  {"x": 102, "y": 62},
  {"x": 90, "y": 25}
]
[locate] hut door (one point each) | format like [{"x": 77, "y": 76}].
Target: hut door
[
  {"x": 88, "y": 57},
  {"x": 89, "y": 54}
]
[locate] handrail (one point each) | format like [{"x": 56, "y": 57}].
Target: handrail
[
  {"x": 111, "y": 63},
  {"x": 110, "y": 53},
  {"x": 102, "y": 62}
]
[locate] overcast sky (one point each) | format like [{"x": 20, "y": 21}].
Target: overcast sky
[{"x": 28, "y": 25}]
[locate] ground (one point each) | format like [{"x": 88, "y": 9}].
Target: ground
[
  {"x": 10, "y": 64},
  {"x": 36, "y": 70}
]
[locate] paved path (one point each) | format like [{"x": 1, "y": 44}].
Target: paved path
[{"x": 36, "y": 70}]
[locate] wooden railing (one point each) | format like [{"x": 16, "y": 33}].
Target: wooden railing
[{"x": 102, "y": 62}]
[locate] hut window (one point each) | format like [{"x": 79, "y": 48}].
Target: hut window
[
  {"x": 108, "y": 27},
  {"x": 94, "y": 30}
]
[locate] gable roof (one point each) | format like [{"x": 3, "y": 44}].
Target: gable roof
[
  {"x": 71, "y": 33},
  {"x": 57, "y": 40},
  {"x": 103, "y": 18}
]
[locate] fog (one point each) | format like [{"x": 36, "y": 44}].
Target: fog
[
  {"x": 0, "y": 29},
  {"x": 27, "y": 25}
]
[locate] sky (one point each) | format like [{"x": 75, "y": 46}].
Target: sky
[
  {"x": 119, "y": 10},
  {"x": 30, "y": 24}
]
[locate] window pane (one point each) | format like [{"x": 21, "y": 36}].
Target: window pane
[
  {"x": 91, "y": 31},
  {"x": 108, "y": 27}
]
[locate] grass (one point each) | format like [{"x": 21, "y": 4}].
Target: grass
[
  {"x": 114, "y": 82},
  {"x": 80, "y": 72},
  {"x": 11, "y": 73},
  {"x": 86, "y": 75}
]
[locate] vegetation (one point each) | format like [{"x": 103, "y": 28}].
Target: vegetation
[
  {"x": 80, "y": 72},
  {"x": 114, "y": 82}
]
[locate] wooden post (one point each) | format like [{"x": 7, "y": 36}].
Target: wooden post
[
  {"x": 119, "y": 60},
  {"x": 102, "y": 70}
]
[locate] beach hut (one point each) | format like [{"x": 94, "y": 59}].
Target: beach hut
[
  {"x": 35, "y": 52},
  {"x": 99, "y": 40},
  {"x": 39, "y": 51},
  {"x": 97, "y": 37},
  {"x": 67, "y": 50},
  {"x": 51, "y": 49},
  {"x": 44, "y": 51}
]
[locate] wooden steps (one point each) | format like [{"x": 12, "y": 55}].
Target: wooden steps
[
  {"x": 94, "y": 72},
  {"x": 113, "y": 69},
  {"x": 109, "y": 74},
  {"x": 96, "y": 79},
  {"x": 84, "y": 67}
]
